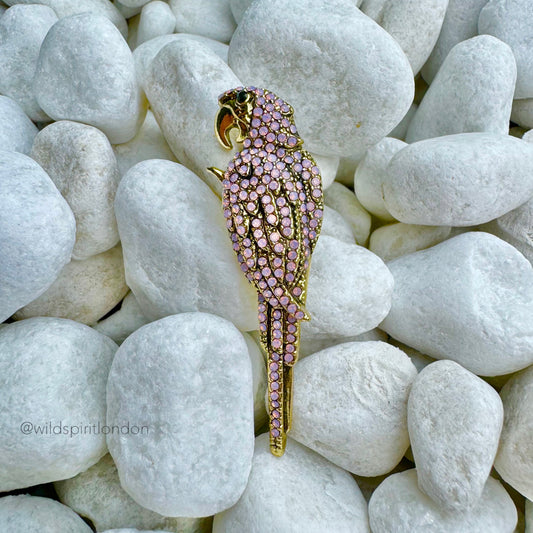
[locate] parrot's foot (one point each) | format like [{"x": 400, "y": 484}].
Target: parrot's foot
[{"x": 217, "y": 172}]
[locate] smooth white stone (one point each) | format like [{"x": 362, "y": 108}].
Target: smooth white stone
[
  {"x": 22, "y": 31},
  {"x": 238, "y": 7},
  {"x": 349, "y": 291},
  {"x": 346, "y": 170},
  {"x": 133, "y": 27},
  {"x": 350, "y": 405},
  {"x": 514, "y": 460},
  {"x": 84, "y": 291},
  {"x": 177, "y": 251},
  {"x": 259, "y": 377},
  {"x": 156, "y": 19},
  {"x": 25, "y": 514},
  {"x": 127, "y": 11},
  {"x": 472, "y": 91},
  {"x": 144, "y": 54},
  {"x": 187, "y": 378},
  {"x": 522, "y": 112},
  {"x": 17, "y": 131},
  {"x": 210, "y": 18},
  {"x": 459, "y": 180},
  {"x": 97, "y": 495},
  {"x": 133, "y": 530},
  {"x": 455, "y": 420},
  {"x": 511, "y": 22},
  {"x": 317, "y": 56},
  {"x": 81, "y": 163},
  {"x": 334, "y": 225},
  {"x": 394, "y": 240},
  {"x": 37, "y": 232},
  {"x": 480, "y": 318},
  {"x": 400, "y": 131},
  {"x": 67, "y": 8},
  {"x": 328, "y": 166},
  {"x": 415, "y": 24},
  {"x": 300, "y": 492},
  {"x": 460, "y": 23},
  {"x": 86, "y": 73},
  {"x": 399, "y": 505},
  {"x": 134, "y": 3},
  {"x": 371, "y": 173},
  {"x": 149, "y": 143},
  {"x": 122, "y": 323},
  {"x": 516, "y": 228},
  {"x": 54, "y": 374},
  {"x": 185, "y": 103},
  {"x": 418, "y": 359},
  {"x": 344, "y": 201}
]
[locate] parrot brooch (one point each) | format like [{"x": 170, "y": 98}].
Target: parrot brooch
[{"x": 273, "y": 206}]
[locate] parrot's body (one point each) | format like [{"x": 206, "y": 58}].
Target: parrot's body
[{"x": 273, "y": 207}]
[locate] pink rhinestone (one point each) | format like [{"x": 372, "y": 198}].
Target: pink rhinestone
[
  {"x": 262, "y": 243},
  {"x": 288, "y": 358},
  {"x": 292, "y": 308},
  {"x": 274, "y": 432}
]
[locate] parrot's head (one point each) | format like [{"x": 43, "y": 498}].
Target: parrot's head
[{"x": 256, "y": 114}]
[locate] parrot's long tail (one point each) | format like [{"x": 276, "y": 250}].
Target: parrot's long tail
[{"x": 277, "y": 327}]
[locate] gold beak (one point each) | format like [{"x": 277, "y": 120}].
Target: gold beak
[{"x": 225, "y": 121}]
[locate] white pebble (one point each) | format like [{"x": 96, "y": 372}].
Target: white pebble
[
  {"x": 84, "y": 291},
  {"x": 185, "y": 103},
  {"x": 17, "y": 131},
  {"x": 186, "y": 378},
  {"x": 350, "y": 405},
  {"x": 25, "y": 514},
  {"x": 399, "y": 505},
  {"x": 472, "y": 91},
  {"x": 522, "y": 112},
  {"x": 86, "y": 73},
  {"x": 480, "y": 318},
  {"x": 37, "y": 232},
  {"x": 346, "y": 94},
  {"x": 415, "y": 24},
  {"x": 22, "y": 31},
  {"x": 344, "y": 201},
  {"x": 210, "y": 18},
  {"x": 394, "y": 240},
  {"x": 122, "y": 323},
  {"x": 514, "y": 460},
  {"x": 299, "y": 492},
  {"x": 460, "y": 23},
  {"x": 459, "y": 180},
  {"x": 511, "y": 22},
  {"x": 328, "y": 166},
  {"x": 349, "y": 291},
  {"x": 370, "y": 174},
  {"x": 334, "y": 225},
  {"x": 156, "y": 19},
  {"x": 238, "y": 7},
  {"x": 177, "y": 251},
  {"x": 259, "y": 378},
  {"x": 400, "y": 131},
  {"x": 97, "y": 495},
  {"x": 149, "y": 143},
  {"x": 81, "y": 163},
  {"x": 54, "y": 374},
  {"x": 455, "y": 420},
  {"x": 134, "y": 3},
  {"x": 516, "y": 228}
]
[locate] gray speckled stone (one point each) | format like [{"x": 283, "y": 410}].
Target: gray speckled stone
[
  {"x": 86, "y": 73},
  {"x": 186, "y": 378},
  {"x": 511, "y": 22},
  {"x": 177, "y": 251},
  {"x": 480, "y": 318},
  {"x": 17, "y": 131},
  {"x": 473, "y": 91},
  {"x": 22, "y": 31},
  {"x": 347, "y": 95},
  {"x": 81, "y": 163},
  {"x": 299, "y": 492},
  {"x": 399, "y": 505},
  {"x": 350, "y": 405},
  {"x": 25, "y": 514},
  {"x": 459, "y": 180},
  {"x": 54, "y": 374},
  {"x": 455, "y": 420},
  {"x": 37, "y": 232}
]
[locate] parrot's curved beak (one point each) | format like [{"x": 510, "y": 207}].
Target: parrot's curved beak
[{"x": 225, "y": 121}]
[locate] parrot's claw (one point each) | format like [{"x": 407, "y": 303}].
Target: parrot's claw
[{"x": 217, "y": 172}]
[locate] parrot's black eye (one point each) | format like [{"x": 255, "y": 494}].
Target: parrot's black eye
[{"x": 242, "y": 97}]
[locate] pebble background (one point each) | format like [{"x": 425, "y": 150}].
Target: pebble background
[{"x": 132, "y": 385}]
